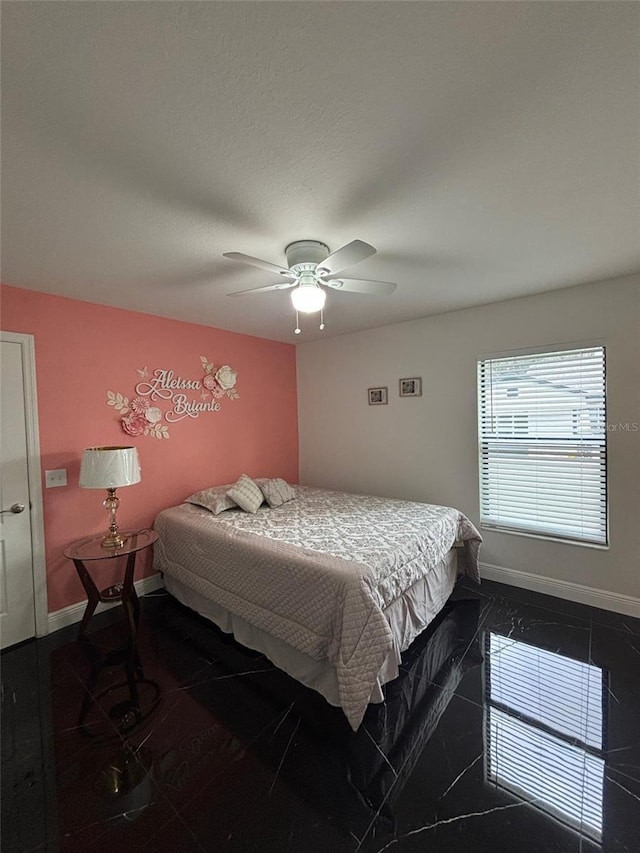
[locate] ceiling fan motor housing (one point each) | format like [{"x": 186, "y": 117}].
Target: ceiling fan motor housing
[{"x": 304, "y": 252}]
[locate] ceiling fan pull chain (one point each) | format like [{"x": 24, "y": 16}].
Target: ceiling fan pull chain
[
  {"x": 297, "y": 329},
  {"x": 321, "y": 319}
]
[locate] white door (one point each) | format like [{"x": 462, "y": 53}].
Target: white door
[{"x": 17, "y": 598}]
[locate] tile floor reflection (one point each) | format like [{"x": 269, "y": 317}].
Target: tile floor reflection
[{"x": 514, "y": 726}]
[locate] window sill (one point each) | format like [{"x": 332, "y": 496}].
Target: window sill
[{"x": 545, "y": 537}]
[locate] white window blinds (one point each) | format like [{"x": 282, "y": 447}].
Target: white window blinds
[{"x": 543, "y": 453}]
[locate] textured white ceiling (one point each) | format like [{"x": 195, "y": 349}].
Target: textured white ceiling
[{"x": 488, "y": 150}]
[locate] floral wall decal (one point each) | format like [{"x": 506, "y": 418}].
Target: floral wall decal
[
  {"x": 140, "y": 415},
  {"x": 221, "y": 381}
]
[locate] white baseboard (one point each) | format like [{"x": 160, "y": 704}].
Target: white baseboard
[
  {"x": 627, "y": 604},
  {"x": 74, "y": 612}
]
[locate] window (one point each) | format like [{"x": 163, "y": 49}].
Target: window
[
  {"x": 543, "y": 452},
  {"x": 544, "y": 730}
]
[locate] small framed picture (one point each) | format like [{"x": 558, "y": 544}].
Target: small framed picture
[
  {"x": 411, "y": 387},
  {"x": 378, "y": 397}
]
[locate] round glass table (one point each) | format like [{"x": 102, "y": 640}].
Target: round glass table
[
  {"x": 129, "y": 701},
  {"x": 90, "y": 549}
]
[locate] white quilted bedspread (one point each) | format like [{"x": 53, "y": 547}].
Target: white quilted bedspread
[{"x": 316, "y": 572}]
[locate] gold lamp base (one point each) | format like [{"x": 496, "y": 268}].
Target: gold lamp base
[{"x": 113, "y": 539}]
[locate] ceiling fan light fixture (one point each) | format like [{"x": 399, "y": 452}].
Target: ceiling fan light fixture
[
  {"x": 311, "y": 269},
  {"x": 308, "y": 298}
]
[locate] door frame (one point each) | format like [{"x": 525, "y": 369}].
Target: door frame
[{"x": 34, "y": 473}]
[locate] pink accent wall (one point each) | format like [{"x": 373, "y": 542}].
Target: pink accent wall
[{"x": 83, "y": 350}]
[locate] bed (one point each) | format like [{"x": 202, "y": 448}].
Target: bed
[{"x": 332, "y": 587}]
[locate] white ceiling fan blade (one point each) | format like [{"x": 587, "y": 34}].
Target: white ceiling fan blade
[
  {"x": 257, "y": 262},
  {"x": 362, "y": 285},
  {"x": 347, "y": 256},
  {"x": 282, "y": 285}
]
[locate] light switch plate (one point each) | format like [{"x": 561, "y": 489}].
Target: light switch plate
[{"x": 52, "y": 479}]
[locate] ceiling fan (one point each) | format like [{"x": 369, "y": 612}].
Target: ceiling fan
[{"x": 311, "y": 268}]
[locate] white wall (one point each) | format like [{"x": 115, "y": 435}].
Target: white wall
[{"x": 425, "y": 448}]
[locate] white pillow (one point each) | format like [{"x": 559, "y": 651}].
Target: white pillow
[
  {"x": 214, "y": 499},
  {"x": 276, "y": 491},
  {"x": 246, "y": 494}
]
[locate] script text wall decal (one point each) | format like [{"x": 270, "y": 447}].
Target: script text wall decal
[{"x": 163, "y": 396}]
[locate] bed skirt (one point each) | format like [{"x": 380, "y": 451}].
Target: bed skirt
[{"x": 408, "y": 616}]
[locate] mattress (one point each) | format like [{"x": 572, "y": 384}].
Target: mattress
[{"x": 346, "y": 581}]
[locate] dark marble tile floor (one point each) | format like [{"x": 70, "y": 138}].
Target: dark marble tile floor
[{"x": 514, "y": 726}]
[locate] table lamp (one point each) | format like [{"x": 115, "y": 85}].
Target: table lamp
[{"x": 110, "y": 468}]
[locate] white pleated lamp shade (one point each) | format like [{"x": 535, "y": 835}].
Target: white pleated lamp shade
[{"x": 109, "y": 467}]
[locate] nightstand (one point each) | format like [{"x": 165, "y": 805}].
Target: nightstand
[
  {"x": 136, "y": 697},
  {"x": 89, "y": 550}
]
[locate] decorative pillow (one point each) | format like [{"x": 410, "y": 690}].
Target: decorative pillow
[
  {"x": 276, "y": 491},
  {"x": 246, "y": 494},
  {"x": 214, "y": 499}
]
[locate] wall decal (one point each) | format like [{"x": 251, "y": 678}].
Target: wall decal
[{"x": 141, "y": 415}]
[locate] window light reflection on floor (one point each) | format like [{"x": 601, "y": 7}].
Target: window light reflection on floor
[{"x": 544, "y": 731}]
